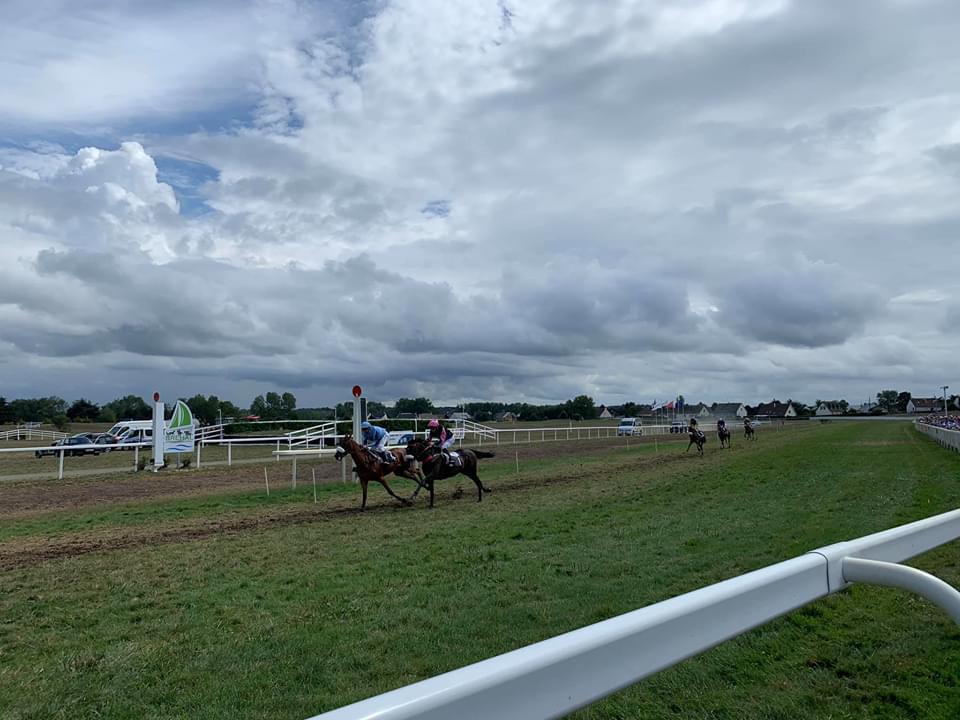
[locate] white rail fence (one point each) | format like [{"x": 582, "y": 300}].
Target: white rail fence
[
  {"x": 947, "y": 438},
  {"x": 26, "y": 432},
  {"x": 318, "y": 440},
  {"x": 552, "y": 678}
]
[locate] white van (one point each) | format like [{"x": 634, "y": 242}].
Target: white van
[
  {"x": 630, "y": 426},
  {"x": 130, "y": 432}
]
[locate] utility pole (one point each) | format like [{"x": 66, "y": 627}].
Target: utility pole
[{"x": 945, "y": 388}]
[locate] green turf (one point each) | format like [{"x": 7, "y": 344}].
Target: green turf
[{"x": 290, "y": 621}]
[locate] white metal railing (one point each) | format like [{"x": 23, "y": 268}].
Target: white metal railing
[
  {"x": 552, "y": 678},
  {"x": 62, "y": 451},
  {"x": 947, "y": 438},
  {"x": 26, "y": 432},
  {"x": 314, "y": 433}
]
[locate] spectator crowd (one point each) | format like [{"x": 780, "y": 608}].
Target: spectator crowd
[{"x": 948, "y": 422}]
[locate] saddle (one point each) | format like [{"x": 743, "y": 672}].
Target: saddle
[{"x": 452, "y": 459}]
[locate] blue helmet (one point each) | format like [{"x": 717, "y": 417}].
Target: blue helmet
[{"x": 365, "y": 425}]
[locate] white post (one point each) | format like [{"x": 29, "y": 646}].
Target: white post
[
  {"x": 136, "y": 457},
  {"x": 199, "y": 445},
  {"x": 60, "y": 472},
  {"x": 230, "y": 453},
  {"x": 158, "y": 428},
  {"x": 313, "y": 471},
  {"x": 516, "y": 456},
  {"x": 278, "y": 451},
  {"x": 266, "y": 480},
  {"x": 294, "y": 471}
]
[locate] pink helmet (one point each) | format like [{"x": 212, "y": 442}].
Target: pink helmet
[{"x": 433, "y": 423}]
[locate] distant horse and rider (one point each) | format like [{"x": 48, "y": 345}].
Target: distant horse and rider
[
  {"x": 748, "y": 432},
  {"x": 696, "y": 435},
  {"x": 723, "y": 433},
  {"x": 424, "y": 461}
]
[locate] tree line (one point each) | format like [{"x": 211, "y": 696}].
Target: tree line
[{"x": 211, "y": 409}]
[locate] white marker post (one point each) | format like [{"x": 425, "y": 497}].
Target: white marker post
[
  {"x": 158, "y": 427},
  {"x": 357, "y": 419}
]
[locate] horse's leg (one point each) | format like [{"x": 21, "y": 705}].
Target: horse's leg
[
  {"x": 386, "y": 486},
  {"x": 688, "y": 445},
  {"x": 363, "y": 484}
]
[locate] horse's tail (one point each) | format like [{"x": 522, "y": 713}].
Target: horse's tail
[{"x": 483, "y": 454}]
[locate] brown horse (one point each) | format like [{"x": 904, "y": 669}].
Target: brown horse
[
  {"x": 723, "y": 433},
  {"x": 748, "y": 432},
  {"x": 438, "y": 465},
  {"x": 697, "y": 438},
  {"x": 371, "y": 468}
]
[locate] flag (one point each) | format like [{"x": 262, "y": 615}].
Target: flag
[
  {"x": 669, "y": 405},
  {"x": 653, "y": 406}
]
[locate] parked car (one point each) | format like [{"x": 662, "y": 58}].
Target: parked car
[
  {"x": 677, "y": 427},
  {"x": 629, "y": 426},
  {"x": 105, "y": 439},
  {"x": 70, "y": 447}
]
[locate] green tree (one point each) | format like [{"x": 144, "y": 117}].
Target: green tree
[
  {"x": 60, "y": 422},
  {"x": 376, "y": 409},
  {"x": 887, "y": 399},
  {"x": 414, "y": 405},
  {"x": 259, "y": 407},
  {"x": 130, "y": 407},
  {"x": 344, "y": 411},
  {"x": 902, "y": 400},
  {"x": 83, "y": 410},
  {"x": 6, "y": 413},
  {"x": 106, "y": 415},
  {"x": 288, "y": 405},
  {"x": 580, "y": 408}
]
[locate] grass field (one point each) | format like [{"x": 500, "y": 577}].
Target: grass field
[{"x": 229, "y": 604}]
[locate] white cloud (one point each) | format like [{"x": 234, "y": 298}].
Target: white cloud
[{"x": 726, "y": 198}]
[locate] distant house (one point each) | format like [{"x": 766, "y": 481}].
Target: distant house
[
  {"x": 460, "y": 416},
  {"x": 775, "y": 409},
  {"x": 506, "y": 417},
  {"x": 605, "y": 413},
  {"x": 924, "y": 405},
  {"x": 829, "y": 407},
  {"x": 698, "y": 409},
  {"x": 728, "y": 411}
]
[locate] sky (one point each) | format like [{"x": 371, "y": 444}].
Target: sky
[{"x": 732, "y": 200}]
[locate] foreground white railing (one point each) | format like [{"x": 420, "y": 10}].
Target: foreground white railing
[
  {"x": 947, "y": 438},
  {"x": 557, "y": 676}
]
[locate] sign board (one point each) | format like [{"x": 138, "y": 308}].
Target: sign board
[
  {"x": 357, "y": 391},
  {"x": 178, "y": 436}
]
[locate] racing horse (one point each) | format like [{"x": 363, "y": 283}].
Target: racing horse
[
  {"x": 438, "y": 465},
  {"x": 748, "y": 432},
  {"x": 371, "y": 468},
  {"x": 723, "y": 433},
  {"x": 698, "y": 438}
]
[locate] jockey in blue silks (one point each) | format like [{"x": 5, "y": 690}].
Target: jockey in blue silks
[{"x": 375, "y": 440}]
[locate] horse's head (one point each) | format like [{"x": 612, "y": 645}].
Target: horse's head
[
  {"x": 344, "y": 444},
  {"x": 418, "y": 448}
]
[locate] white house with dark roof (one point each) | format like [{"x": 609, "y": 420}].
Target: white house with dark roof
[
  {"x": 924, "y": 405},
  {"x": 728, "y": 410}
]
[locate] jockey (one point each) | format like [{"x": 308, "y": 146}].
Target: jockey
[
  {"x": 375, "y": 440},
  {"x": 692, "y": 427},
  {"x": 437, "y": 433},
  {"x": 721, "y": 424}
]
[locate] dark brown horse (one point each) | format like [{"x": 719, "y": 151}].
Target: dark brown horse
[
  {"x": 438, "y": 465},
  {"x": 371, "y": 468},
  {"x": 723, "y": 433},
  {"x": 748, "y": 432},
  {"x": 698, "y": 438}
]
